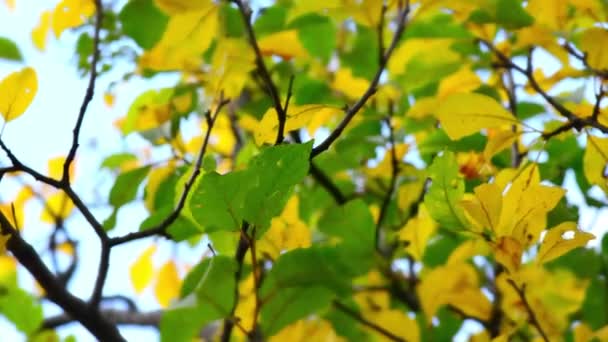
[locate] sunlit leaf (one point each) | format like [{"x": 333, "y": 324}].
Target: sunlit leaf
[
  {"x": 556, "y": 244},
  {"x": 285, "y": 44},
  {"x": 467, "y": 113},
  {"x": 71, "y": 13},
  {"x": 17, "y": 92},
  {"x": 167, "y": 284},
  {"x": 141, "y": 271}
]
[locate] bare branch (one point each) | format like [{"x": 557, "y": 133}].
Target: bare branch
[
  {"x": 533, "y": 319},
  {"x": 116, "y": 317},
  {"x": 371, "y": 90},
  {"x": 357, "y": 316},
  {"x": 162, "y": 227},
  {"x": 88, "y": 95}
]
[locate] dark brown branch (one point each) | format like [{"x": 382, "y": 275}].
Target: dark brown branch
[
  {"x": 371, "y": 90},
  {"x": 533, "y": 319},
  {"x": 78, "y": 203},
  {"x": 27, "y": 256},
  {"x": 357, "y": 317},
  {"x": 327, "y": 184},
  {"x": 102, "y": 274},
  {"x": 263, "y": 70},
  {"x": 239, "y": 256},
  {"x": 116, "y": 317},
  {"x": 88, "y": 95},
  {"x": 162, "y": 227},
  {"x": 577, "y": 122}
]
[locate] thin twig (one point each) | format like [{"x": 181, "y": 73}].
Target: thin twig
[
  {"x": 88, "y": 95},
  {"x": 533, "y": 319},
  {"x": 357, "y": 316},
  {"x": 263, "y": 70},
  {"x": 161, "y": 227},
  {"x": 372, "y": 88}
]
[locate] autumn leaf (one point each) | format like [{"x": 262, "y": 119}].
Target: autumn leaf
[
  {"x": 3, "y": 241},
  {"x": 58, "y": 206},
  {"x": 463, "y": 114},
  {"x": 17, "y": 91},
  {"x": 142, "y": 270},
  {"x": 556, "y": 244},
  {"x": 71, "y": 13},
  {"x": 284, "y": 44},
  {"x": 167, "y": 284},
  {"x": 417, "y": 232},
  {"x": 41, "y": 31},
  {"x": 172, "y": 7}
]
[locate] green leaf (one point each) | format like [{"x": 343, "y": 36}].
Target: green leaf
[
  {"x": 126, "y": 185},
  {"x": 445, "y": 192},
  {"x": 272, "y": 175},
  {"x": 362, "y": 59},
  {"x": 9, "y": 50},
  {"x": 212, "y": 284},
  {"x": 233, "y": 23},
  {"x": 289, "y": 305},
  {"x": 144, "y": 22},
  {"x": 439, "y": 249},
  {"x": 352, "y": 223},
  {"x": 526, "y": 110},
  {"x": 510, "y": 14},
  {"x": 271, "y": 19},
  {"x": 181, "y": 229},
  {"x": 217, "y": 200},
  {"x": 114, "y": 161},
  {"x": 594, "y": 309},
  {"x": 585, "y": 263},
  {"x": 22, "y": 309},
  {"x": 439, "y": 26},
  {"x": 310, "y": 28}
]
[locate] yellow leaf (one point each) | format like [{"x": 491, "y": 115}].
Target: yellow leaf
[
  {"x": 313, "y": 115},
  {"x": 307, "y": 330},
  {"x": 246, "y": 306},
  {"x": 468, "y": 250},
  {"x": 385, "y": 167},
  {"x": 549, "y": 13},
  {"x": 593, "y": 43},
  {"x": 232, "y": 61},
  {"x": 187, "y": 36},
  {"x": 417, "y": 232},
  {"x": 463, "y": 114},
  {"x": 55, "y": 167},
  {"x": 10, "y": 4},
  {"x": 499, "y": 140},
  {"x": 595, "y": 161},
  {"x": 57, "y": 206},
  {"x": 464, "y": 80},
  {"x": 555, "y": 244},
  {"x": 428, "y": 49},
  {"x": 8, "y": 266},
  {"x": 17, "y": 91},
  {"x": 41, "y": 31},
  {"x": 398, "y": 323},
  {"x": 284, "y": 44},
  {"x": 168, "y": 284},
  {"x": 508, "y": 252},
  {"x": 109, "y": 99},
  {"x": 456, "y": 285},
  {"x": 66, "y": 248},
  {"x": 486, "y": 206},
  {"x": 286, "y": 232},
  {"x": 142, "y": 270},
  {"x": 423, "y": 107},
  {"x": 347, "y": 84},
  {"x": 172, "y": 7},
  {"x": 71, "y": 13}
]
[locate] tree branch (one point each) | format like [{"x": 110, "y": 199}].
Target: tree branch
[
  {"x": 27, "y": 256},
  {"x": 116, "y": 317},
  {"x": 393, "y": 182},
  {"x": 263, "y": 70},
  {"x": 161, "y": 227},
  {"x": 533, "y": 319},
  {"x": 88, "y": 95},
  {"x": 371, "y": 90}
]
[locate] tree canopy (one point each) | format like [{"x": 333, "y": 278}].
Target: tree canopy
[{"x": 352, "y": 170}]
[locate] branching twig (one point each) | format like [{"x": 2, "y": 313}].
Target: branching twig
[
  {"x": 116, "y": 317},
  {"x": 392, "y": 183},
  {"x": 161, "y": 227},
  {"x": 371, "y": 90},
  {"x": 88, "y": 95},
  {"x": 91, "y": 319},
  {"x": 263, "y": 70},
  {"x": 533, "y": 319}
]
